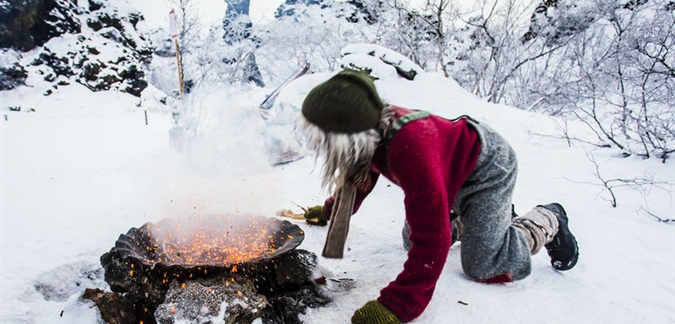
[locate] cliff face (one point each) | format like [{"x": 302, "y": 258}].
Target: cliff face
[
  {"x": 91, "y": 43},
  {"x": 27, "y": 24}
]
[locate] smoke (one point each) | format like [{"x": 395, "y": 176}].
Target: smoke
[
  {"x": 224, "y": 166},
  {"x": 224, "y": 132}
]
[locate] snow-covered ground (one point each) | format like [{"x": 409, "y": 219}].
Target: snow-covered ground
[{"x": 84, "y": 167}]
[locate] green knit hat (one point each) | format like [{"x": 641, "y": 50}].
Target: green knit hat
[{"x": 345, "y": 103}]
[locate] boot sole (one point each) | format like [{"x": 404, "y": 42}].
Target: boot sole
[{"x": 563, "y": 226}]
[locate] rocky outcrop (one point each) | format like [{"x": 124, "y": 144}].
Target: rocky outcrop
[
  {"x": 27, "y": 24},
  {"x": 12, "y": 74},
  {"x": 98, "y": 45}
]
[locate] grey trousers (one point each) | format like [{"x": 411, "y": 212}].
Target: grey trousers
[{"x": 491, "y": 245}]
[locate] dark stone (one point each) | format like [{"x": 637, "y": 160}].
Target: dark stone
[
  {"x": 362, "y": 11},
  {"x": 12, "y": 76},
  {"x": 27, "y": 24},
  {"x": 288, "y": 8},
  {"x": 114, "y": 308},
  {"x": 60, "y": 65},
  {"x": 105, "y": 82},
  {"x": 145, "y": 54},
  {"x": 93, "y": 50},
  {"x": 143, "y": 288},
  {"x": 113, "y": 34},
  {"x": 134, "y": 82},
  {"x": 94, "y": 24},
  {"x": 91, "y": 77},
  {"x": 107, "y": 20},
  {"x": 94, "y": 5},
  {"x": 90, "y": 71},
  {"x": 134, "y": 18},
  {"x": 284, "y": 280},
  {"x": 188, "y": 85},
  {"x": 408, "y": 74},
  {"x": 198, "y": 301}
]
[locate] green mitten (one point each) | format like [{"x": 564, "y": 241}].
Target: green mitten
[
  {"x": 315, "y": 216},
  {"x": 374, "y": 313}
]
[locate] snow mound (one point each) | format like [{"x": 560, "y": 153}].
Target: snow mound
[{"x": 380, "y": 61}]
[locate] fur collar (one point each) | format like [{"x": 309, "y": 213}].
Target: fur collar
[{"x": 346, "y": 156}]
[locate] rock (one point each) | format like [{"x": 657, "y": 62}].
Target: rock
[
  {"x": 25, "y": 25},
  {"x": 81, "y": 58},
  {"x": 277, "y": 290},
  {"x": 94, "y": 5},
  {"x": 134, "y": 82},
  {"x": 134, "y": 18},
  {"x": 230, "y": 299},
  {"x": 110, "y": 20},
  {"x": 144, "y": 289},
  {"x": 94, "y": 24},
  {"x": 59, "y": 64},
  {"x": 113, "y": 34},
  {"x": 114, "y": 309},
  {"x": 93, "y": 50},
  {"x": 380, "y": 62},
  {"x": 12, "y": 76},
  {"x": 12, "y": 73}
]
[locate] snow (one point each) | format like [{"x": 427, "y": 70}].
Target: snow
[
  {"x": 382, "y": 61},
  {"x": 84, "y": 167}
]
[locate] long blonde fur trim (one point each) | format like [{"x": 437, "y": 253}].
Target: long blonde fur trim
[{"x": 346, "y": 156}]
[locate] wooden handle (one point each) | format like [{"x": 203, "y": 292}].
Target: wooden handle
[{"x": 339, "y": 222}]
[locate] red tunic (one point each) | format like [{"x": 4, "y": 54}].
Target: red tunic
[{"x": 429, "y": 159}]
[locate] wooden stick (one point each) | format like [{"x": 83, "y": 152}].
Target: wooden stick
[
  {"x": 180, "y": 70},
  {"x": 339, "y": 222}
]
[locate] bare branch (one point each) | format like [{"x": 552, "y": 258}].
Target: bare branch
[{"x": 660, "y": 219}]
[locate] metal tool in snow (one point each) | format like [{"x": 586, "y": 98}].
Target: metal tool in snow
[{"x": 272, "y": 97}]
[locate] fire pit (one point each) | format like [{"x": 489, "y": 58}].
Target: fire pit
[
  {"x": 216, "y": 241},
  {"x": 240, "y": 267}
]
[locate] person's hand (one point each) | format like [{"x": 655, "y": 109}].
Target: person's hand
[
  {"x": 373, "y": 312},
  {"x": 316, "y": 216}
]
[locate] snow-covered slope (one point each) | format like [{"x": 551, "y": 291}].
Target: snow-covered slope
[{"x": 84, "y": 167}]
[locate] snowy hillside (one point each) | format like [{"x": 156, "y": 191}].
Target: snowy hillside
[
  {"x": 84, "y": 167},
  {"x": 78, "y": 168}
]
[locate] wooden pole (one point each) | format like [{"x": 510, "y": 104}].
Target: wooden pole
[
  {"x": 180, "y": 70},
  {"x": 174, "y": 35}
]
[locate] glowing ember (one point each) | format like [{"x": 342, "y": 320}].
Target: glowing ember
[{"x": 216, "y": 240}]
